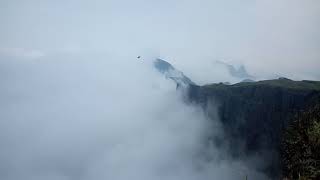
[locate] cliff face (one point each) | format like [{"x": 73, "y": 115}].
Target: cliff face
[{"x": 255, "y": 114}]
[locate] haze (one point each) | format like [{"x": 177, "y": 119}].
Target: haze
[
  {"x": 76, "y": 103},
  {"x": 270, "y": 37}
]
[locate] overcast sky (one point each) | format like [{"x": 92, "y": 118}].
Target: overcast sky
[{"x": 269, "y": 36}]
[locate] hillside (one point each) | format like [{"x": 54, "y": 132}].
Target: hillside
[
  {"x": 300, "y": 145},
  {"x": 254, "y": 114}
]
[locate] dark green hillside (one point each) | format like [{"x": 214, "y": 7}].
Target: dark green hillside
[
  {"x": 254, "y": 114},
  {"x": 281, "y": 83},
  {"x": 300, "y": 149},
  {"x": 257, "y": 118}
]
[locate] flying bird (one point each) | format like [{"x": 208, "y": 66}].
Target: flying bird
[{"x": 139, "y": 57}]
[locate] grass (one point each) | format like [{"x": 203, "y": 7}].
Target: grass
[{"x": 281, "y": 82}]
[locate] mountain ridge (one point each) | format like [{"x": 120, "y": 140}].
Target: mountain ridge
[
  {"x": 255, "y": 114},
  {"x": 172, "y": 73}
]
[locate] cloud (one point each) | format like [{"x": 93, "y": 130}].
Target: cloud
[
  {"x": 72, "y": 117},
  {"x": 22, "y": 53},
  {"x": 286, "y": 38},
  {"x": 268, "y": 36}
]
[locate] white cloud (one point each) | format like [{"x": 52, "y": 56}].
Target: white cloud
[
  {"x": 72, "y": 117},
  {"x": 269, "y": 36},
  {"x": 22, "y": 53}
]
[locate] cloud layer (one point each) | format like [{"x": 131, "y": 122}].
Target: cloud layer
[
  {"x": 270, "y": 37},
  {"x": 67, "y": 117}
]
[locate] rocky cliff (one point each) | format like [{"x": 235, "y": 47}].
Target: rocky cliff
[{"x": 255, "y": 114}]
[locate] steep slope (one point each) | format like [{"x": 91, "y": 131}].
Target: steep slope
[
  {"x": 171, "y": 73},
  {"x": 254, "y": 114}
]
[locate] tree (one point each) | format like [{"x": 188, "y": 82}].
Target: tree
[{"x": 301, "y": 146}]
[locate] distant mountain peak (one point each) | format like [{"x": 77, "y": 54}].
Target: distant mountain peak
[
  {"x": 172, "y": 73},
  {"x": 240, "y": 72}
]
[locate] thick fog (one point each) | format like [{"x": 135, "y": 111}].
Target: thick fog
[{"x": 72, "y": 117}]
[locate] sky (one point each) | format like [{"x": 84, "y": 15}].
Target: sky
[{"x": 270, "y": 37}]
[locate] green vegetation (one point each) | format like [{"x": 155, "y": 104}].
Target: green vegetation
[
  {"x": 301, "y": 146},
  {"x": 258, "y": 113},
  {"x": 281, "y": 82}
]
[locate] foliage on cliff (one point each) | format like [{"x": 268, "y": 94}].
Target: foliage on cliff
[
  {"x": 301, "y": 146},
  {"x": 255, "y": 114}
]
